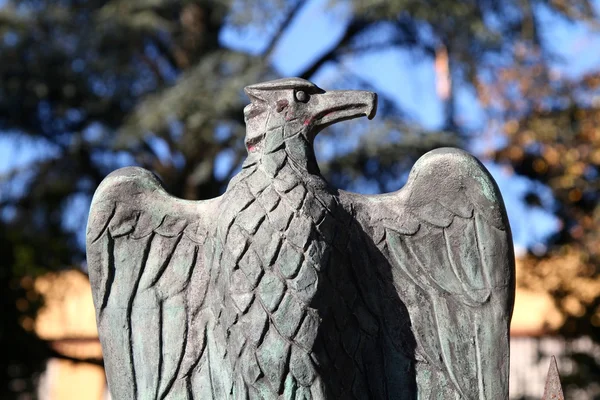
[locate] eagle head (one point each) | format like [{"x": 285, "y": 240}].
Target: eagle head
[{"x": 299, "y": 106}]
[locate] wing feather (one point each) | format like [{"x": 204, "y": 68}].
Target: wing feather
[
  {"x": 174, "y": 337},
  {"x": 147, "y": 269},
  {"x": 458, "y": 263},
  {"x": 146, "y": 317},
  {"x": 463, "y": 255}
]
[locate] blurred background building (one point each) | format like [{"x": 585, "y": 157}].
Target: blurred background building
[
  {"x": 68, "y": 323},
  {"x": 87, "y": 86}
]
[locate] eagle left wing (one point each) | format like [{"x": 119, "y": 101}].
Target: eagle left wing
[
  {"x": 149, "y": 274},
  {"x": 448, "y": 243}
]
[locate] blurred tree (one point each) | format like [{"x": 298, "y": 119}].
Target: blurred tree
[
  {"x": 23, "y": 355},
  {"x": 98, "y": 84},
  {"x": 555, "y": 140}
]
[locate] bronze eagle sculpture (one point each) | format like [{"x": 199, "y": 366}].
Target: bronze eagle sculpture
[{"x": 287, "y": 288}]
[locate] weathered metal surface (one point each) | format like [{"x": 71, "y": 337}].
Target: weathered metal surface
[
  {"x": 287, "y": 288},
  {"x": 553, "y": 388}
]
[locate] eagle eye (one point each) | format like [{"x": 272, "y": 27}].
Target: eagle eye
[{"x": 302, "y": 96}]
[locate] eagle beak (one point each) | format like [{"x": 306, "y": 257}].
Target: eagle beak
[{"x": 341, "y": 105}]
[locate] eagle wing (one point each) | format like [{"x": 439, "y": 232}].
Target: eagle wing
[
  {"x": 148, "y": 271},
  {"x": 447, "y": 239}
]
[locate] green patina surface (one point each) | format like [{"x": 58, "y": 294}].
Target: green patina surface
[{"x": 286, "y": 288}]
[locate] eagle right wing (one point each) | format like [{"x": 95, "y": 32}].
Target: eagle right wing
[
  {"x": 449, "y": 254},
  {"x": 149, "y": 274}
]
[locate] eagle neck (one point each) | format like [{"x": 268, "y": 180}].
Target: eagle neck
[{"x": 301, "y": 154}]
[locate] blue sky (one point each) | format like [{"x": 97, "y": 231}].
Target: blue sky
[{"x": 408, "y": 79}]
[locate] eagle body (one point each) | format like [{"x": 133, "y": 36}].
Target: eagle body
[
  {"x": 286, "y": 288},
  {"x": 270, "y": 252}
]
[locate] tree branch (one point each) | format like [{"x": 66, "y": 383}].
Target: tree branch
[
  {"x": 94, "y": 361},
  {"x": 355, "y": 27},
  {"x": 282, "y": 27}
]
